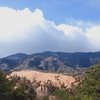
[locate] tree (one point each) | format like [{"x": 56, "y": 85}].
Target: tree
[
  {"x": 24, "y": 90},
  {"x": 6, "y": 87},
  {"x": 89, "y": 89}
]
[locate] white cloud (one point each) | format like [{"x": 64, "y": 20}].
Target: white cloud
[
  {"x": 93, "y": 35},
  {"x": 14, "y": 24},
  {"x": 69, "y": 30},
  {"x": 29, "y": 32}
]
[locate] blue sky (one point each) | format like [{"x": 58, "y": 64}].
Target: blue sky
[
  {"x": 60, "y": 10},
  {"x": 31, "y": 26}
]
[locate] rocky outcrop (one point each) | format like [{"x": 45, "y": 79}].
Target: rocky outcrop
[{"x": 44, "y": 83}]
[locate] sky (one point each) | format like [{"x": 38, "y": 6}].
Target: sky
[{"x": 31, "y": 26}]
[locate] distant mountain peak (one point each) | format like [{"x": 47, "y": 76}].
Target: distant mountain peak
[{"x": 50, "y": 61}]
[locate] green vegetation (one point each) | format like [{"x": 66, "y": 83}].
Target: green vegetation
[
  {"x": 6, "y": 87},
  {"x": 88, "y": 88},
  {"x": 8, "y": 90}
]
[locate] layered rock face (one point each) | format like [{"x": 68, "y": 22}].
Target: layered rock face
[
  {"x": 44, "y": 81},
  {"x": 42, "y": 77}
]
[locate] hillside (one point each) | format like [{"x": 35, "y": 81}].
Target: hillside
[
  {"x": 56, "y": 79},
  {"x": 50, "y": 61},
  {"x": 33, "y": 85},
  {"x": 87, "y": 89}
]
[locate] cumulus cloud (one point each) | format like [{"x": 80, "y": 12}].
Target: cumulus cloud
[
  {"x": 93, "y": 35},
  {"x": 28, "y": 31}
]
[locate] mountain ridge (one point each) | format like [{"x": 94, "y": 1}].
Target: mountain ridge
[{"x": 50, "y": 61}]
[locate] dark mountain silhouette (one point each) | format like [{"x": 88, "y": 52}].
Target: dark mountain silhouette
[{"x": 50, "y": 61}]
